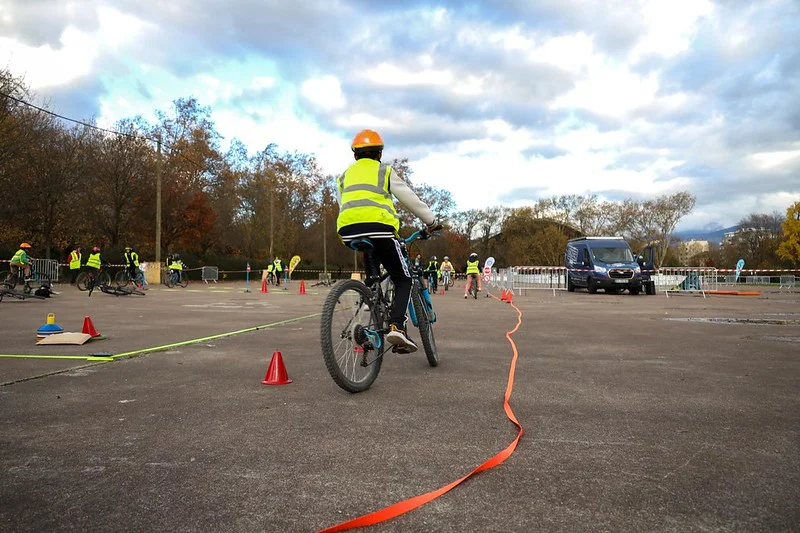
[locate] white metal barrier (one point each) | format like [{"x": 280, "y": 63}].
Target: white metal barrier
[
  {"x": 48, "y": 267},
  {"x": 788, "y": 283},
  {"x": 210, "y": 273}
]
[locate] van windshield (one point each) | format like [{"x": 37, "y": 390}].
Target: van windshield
[{"x": 612, "y": 255}]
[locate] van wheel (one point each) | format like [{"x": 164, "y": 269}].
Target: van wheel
[
  {"x": 591, "y": 286},
  {"x": 650, "y": 288},
  {"x": 570, "y": 285},
  {"x": 634, "y": 290}
]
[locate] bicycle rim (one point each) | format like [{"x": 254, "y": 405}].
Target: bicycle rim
[
  {"x": 425, "y": 328},
  {"x": 347, "y": 306},
  {"x": 121, "y": 278},
  {"x": 81, "y": 281},
  {"x": 184, "y": 282}
]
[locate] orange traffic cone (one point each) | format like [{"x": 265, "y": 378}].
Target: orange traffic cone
[
  {"x": 441, "y": 291},
  {"x": 502, "y": 295},
  {"x": 302, "y": 286},
  {"x": 264, "y": 286},
  {"x": 88, "y": 328},
  {"x": 276, "y": 373},
  {"x": 509, "y": 297}
]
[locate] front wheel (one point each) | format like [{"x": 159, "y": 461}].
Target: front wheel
[
  {"x": 425, "y": 328},
  {"x": 170, "y": 282},
  {"x": 38, "y": 281},
  {"x": 591, "y": 286},
  {"x": 184, "y": 281},
  {"x": 347, "y": 324}
]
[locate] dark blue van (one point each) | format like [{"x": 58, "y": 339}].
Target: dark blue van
[{"x": 602, "y": 263}]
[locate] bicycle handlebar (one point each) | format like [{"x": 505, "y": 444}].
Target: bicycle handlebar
[{"x": 420, "y": 234}]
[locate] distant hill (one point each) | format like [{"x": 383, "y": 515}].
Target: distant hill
[{"x": 714, "y": 236}]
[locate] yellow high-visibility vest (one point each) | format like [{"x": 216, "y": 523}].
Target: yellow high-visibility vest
[{"x": 365, "y": 196}]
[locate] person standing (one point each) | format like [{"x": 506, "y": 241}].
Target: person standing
[
  {"x": 132, "y": 263},
  {"x": 278, "y": 270},
  {"x": 75, "y": 258}
]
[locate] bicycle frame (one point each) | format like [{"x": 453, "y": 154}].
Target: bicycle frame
[{"x": 381, "y": 303}]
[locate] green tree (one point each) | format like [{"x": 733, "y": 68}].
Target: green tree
[{"x": 789, "y": 249}]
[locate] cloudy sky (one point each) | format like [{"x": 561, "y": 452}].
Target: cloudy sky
[{"x": 500, "y": 102}]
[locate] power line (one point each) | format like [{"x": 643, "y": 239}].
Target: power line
[
  {"x": 86, "y": 124},
  {"x": 98, "y": 128}
]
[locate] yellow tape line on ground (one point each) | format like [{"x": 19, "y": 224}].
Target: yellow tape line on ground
[{"x": 163, "y": 347}]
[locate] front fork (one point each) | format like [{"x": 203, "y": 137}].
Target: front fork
[{"x": 426, "y": 300}]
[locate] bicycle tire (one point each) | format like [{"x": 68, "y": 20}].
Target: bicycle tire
[
  {"x": 38, "y": 281},
  {"x": 82, "y": 280},
  {"x": 425, "y": 327},
  {"x": 121, "y": 278},
  {"x": 11, "y": 280},
  {"x": 184, "y": 282},
  {"x": 341, "y": 313},
  {"x": 104, "y": 278},
  {"x": 170, "y": 282}
]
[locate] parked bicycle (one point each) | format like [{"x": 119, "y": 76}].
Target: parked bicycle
[
  {"x": 92, "y": 277},
  {"x": 123, "y": 278},
  {"x": 355, "y": 319}
]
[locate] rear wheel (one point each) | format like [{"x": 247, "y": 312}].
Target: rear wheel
[
  {"x": 9, "y": 279},
  {"x": 82, "y": 280},
  {"x": 425, "y": 328},
  {"x": 570, "y": 285},
  {"x": 650, "y": 288},
  {"x": 346, "y": 325}
]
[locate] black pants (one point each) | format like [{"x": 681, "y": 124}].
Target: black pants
[
  {"x": 389, "y": 253},
  {"x": 73, "y": 275}
]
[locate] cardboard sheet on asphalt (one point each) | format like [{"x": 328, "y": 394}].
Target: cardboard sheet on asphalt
[{"x": 65, "y": 338}]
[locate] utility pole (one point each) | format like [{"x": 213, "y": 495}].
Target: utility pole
[{"x": 158, "y": 208}]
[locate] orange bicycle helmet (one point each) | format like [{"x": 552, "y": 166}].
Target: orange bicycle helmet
[
  {"x": 24, "y": 245},
  {"x": 367, "y": 139}
]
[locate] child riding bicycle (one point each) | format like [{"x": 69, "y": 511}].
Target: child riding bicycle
[
  {"x": 446, "y": 270},
  {"x": 366, "y": 210},
  {"x": 473, "y": 274}
]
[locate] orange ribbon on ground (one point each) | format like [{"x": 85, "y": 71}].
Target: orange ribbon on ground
[{"x": 394, "y": 510}]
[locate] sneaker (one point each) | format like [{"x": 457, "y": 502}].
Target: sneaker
[
  {"x": 398, "y": 337},
  {"x": 465, "y": 296}
]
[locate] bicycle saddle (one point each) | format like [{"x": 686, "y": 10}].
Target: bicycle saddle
[{"x": 361, "y": 245}]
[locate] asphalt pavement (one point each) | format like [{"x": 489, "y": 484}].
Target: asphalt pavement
[{"x": 641, "y": 413}]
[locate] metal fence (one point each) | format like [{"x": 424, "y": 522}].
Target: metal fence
[
  {"x": 210, "y": 273},
  {"x": 48, "y": 267}
]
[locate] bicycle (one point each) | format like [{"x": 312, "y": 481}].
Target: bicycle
[
  {"x": 90, "y": 278},
  {"x": 433, "y": 280},
  {"x": 472, "y": 280},
  {"x": 36, "y": 280},
  {"x": 447, "y": 280},
  {"x": 176, "y": 277},
  {"x": 123, "y": 278},
  {"x": 355, "y": 319}
]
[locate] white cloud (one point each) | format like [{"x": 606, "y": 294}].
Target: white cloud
[
  {"x": 671, "y": 26},
  {"x": 45, "y": 66},
  {"x": 325, "y": 92}
]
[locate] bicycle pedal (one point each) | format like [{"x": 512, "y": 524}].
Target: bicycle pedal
[{"x": 401, "y": 350}]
